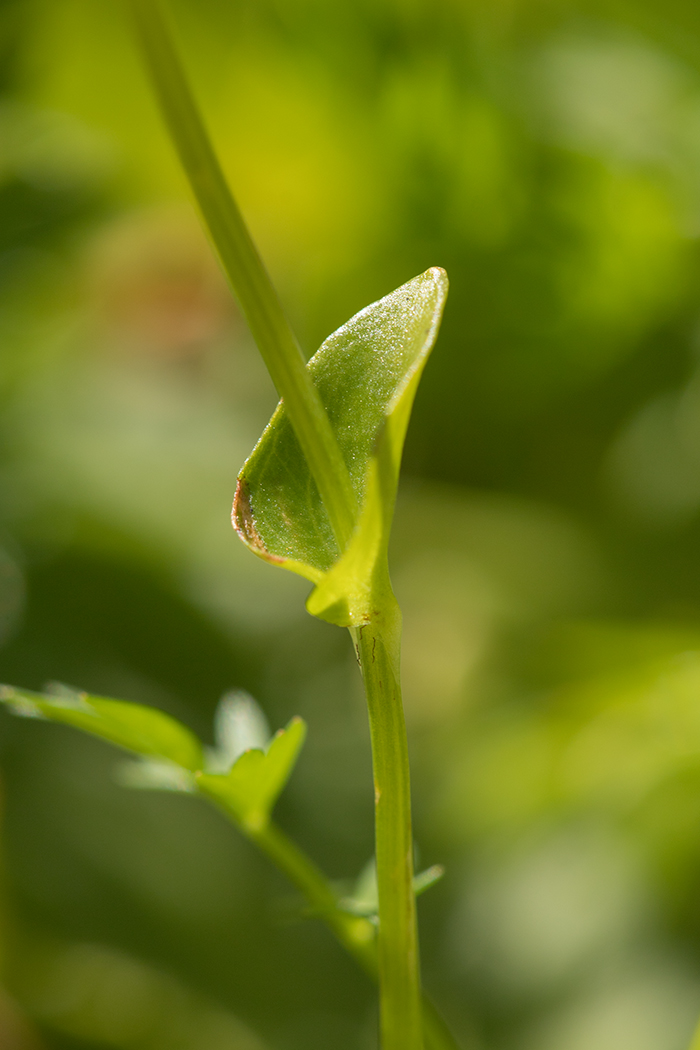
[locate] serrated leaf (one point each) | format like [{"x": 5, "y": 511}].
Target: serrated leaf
[
  {"x": 367, "y": 374},
  {"x": 144, "y": 730},
  {"x": 253, "y": 784}
]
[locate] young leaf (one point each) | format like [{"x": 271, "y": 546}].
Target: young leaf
[
  {"x": 134, "y": 727},
  {"x": 367, "y": 374},
  {"x": 253, "y": 784}
]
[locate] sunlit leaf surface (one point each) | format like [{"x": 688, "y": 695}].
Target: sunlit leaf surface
[{"x": 367, "y": 374}]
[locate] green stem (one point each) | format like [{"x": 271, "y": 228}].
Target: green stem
[
  {"x": 357, "y": 935},
  {"x": 377, "y": 646},
  {"x": 246, "y": 272}
]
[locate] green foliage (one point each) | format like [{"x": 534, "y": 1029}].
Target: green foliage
[
  {"x": 253, "y": 776},
  {"x": 134, "y": 727},
  {"x": 367, "y": 374},
  {"x": 251, "y": 787},
  {"x": 551, "y": 163}
]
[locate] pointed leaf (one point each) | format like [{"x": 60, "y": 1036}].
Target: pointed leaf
[
  {"x": 145, "y": 730},
  {"x": 425, "y": 879},
  {"x": 367, "y": 374},
  {"x": 252, "y": 786}
]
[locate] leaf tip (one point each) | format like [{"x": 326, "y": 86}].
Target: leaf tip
[
  {"x": 298, "y": 726},
  {"x": 438, "y": 276},
  {"x": 427, "y": 878}
]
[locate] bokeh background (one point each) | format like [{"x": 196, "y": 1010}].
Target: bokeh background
[{"x": 547, "y": 543}]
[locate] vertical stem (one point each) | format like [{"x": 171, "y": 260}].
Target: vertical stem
[
  {"x": 399, "y": 978},
  {"x": 377, "y": 643},
  {"x": 246, "y": 272},
  {"x": 354, "y": 933}
]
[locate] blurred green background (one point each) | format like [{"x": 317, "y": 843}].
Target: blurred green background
[{"x": 547, "y": 543}]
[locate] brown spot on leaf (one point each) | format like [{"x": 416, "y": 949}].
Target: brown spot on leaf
[{"x": 243, "y": 521}]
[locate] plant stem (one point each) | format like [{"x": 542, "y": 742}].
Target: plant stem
[
  {"x": 246, "y": 271},
  {"x": 355, "y": 934},
  {"x": 377, "y": 646}
]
